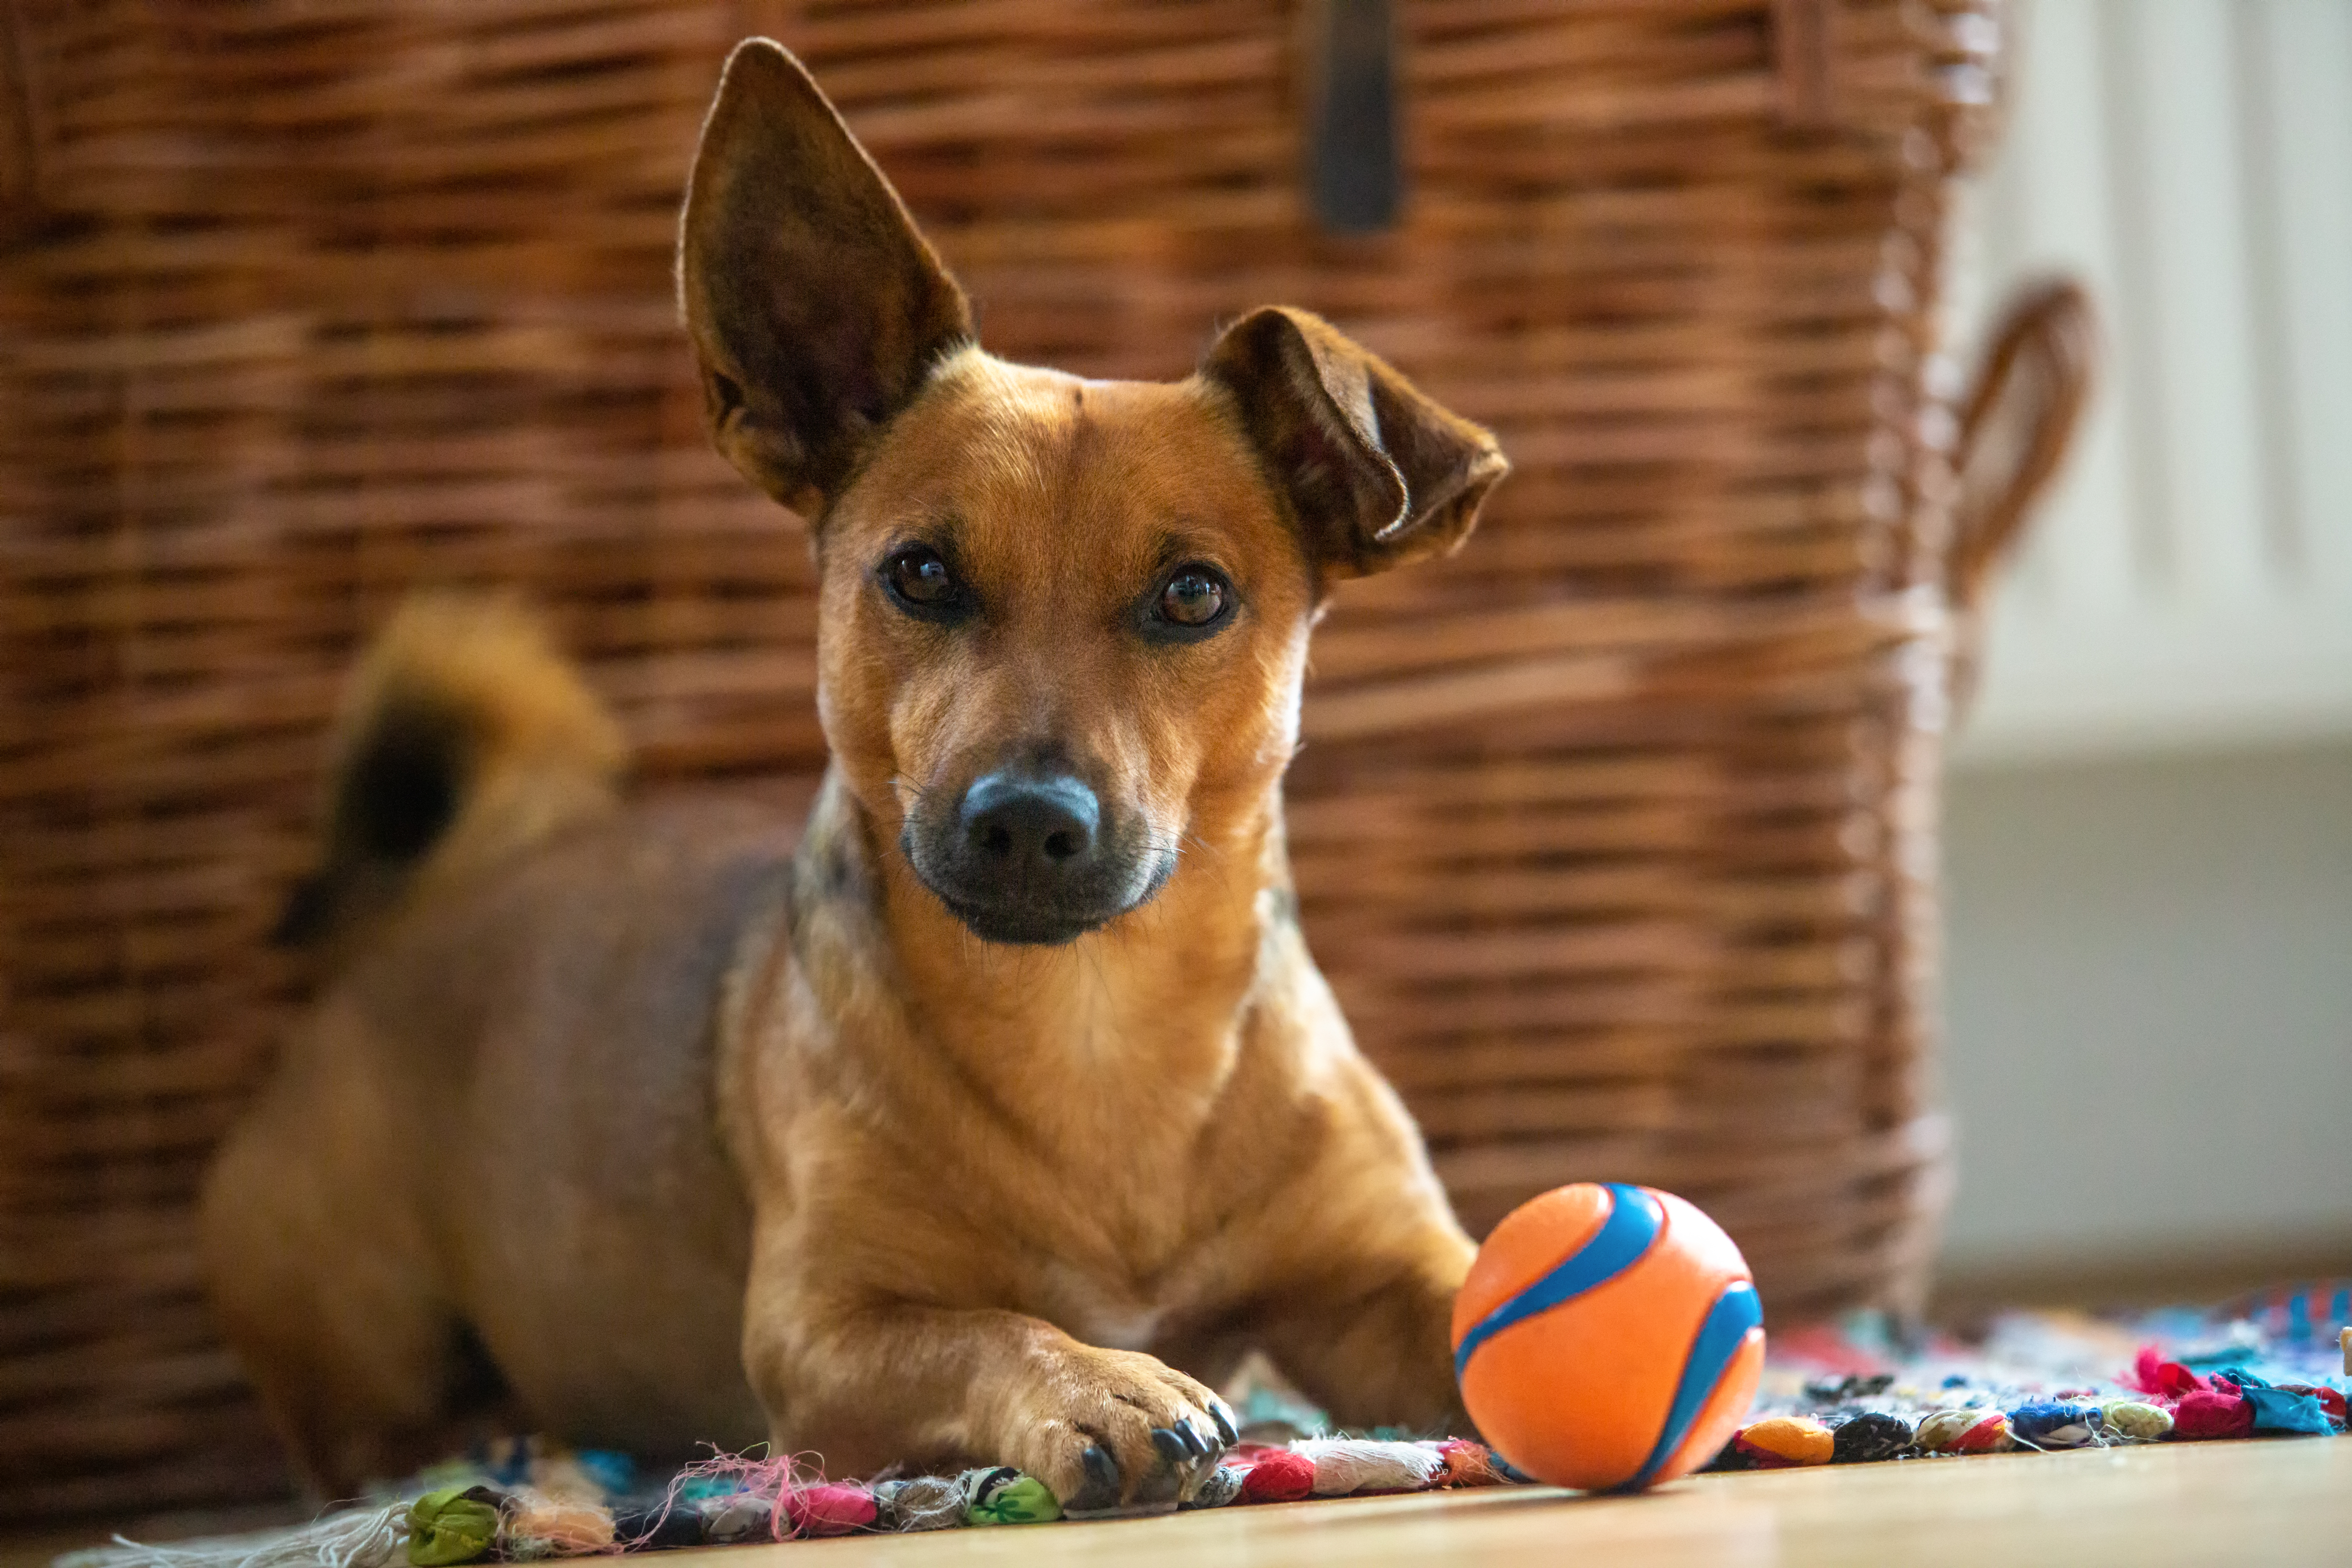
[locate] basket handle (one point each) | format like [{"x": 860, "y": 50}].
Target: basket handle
[
  {"x": 1355, "y": 162},
  {"x": 2017, "y": 423}
]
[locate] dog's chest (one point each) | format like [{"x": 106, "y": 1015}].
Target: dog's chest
[{"x": 1104, "y": 1312}]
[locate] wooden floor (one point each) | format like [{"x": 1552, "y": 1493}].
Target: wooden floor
[{"x": 2283, "y": 1501}]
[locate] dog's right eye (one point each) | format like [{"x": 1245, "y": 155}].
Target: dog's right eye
[{"x": 917, "y": 577}]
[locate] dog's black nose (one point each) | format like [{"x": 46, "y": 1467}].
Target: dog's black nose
[{"x": 1026, "y": 826}]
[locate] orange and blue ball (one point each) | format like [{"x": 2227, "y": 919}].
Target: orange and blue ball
[{"x": 1608, "y": 1337}]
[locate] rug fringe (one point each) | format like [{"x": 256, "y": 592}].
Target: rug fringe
[{"x": 368, "y": 1539}]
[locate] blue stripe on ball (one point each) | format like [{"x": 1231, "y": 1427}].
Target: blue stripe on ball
[
  {"x": 1634, "y": 1221},
  {"x": 1719, "y": 1338}
]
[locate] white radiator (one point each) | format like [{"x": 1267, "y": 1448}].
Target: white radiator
[{"x": 2190, "y": 582}]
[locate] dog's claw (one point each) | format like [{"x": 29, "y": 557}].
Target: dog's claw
[
  {"x": 1101, "y": 1488},
  {"x": 1223, "y": 1417},
  {"x": 1099, "y": 1449}
]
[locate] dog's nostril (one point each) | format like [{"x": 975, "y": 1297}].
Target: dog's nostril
[{"x": 1047, "y": 823}]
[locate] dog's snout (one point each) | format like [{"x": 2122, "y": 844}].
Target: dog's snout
[
  {"x": 1030, "y": 853},
  {"x": 1032, "y": 825}
]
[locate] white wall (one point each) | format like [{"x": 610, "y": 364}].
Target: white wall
[
  {"x": 2149, "y": 962},
  {"x": 2150, "y": 991},
  {"x": 2191, "y": 583}
]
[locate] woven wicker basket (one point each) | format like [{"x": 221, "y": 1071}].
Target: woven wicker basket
[{"x": 1615, "y": 833}]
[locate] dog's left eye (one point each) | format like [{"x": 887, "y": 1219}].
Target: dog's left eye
[{"x": 1195, "y": 597}]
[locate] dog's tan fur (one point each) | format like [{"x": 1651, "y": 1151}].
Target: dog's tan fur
[{"x": 694, "y": 1135}]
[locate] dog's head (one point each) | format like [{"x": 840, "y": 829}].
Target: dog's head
[{"x": 1062, "y": 622}]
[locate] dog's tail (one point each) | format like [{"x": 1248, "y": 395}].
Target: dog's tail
[{"x": 464, "y": 736}]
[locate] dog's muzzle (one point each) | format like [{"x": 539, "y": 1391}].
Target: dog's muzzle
[{"x": 1029, "y": 857}]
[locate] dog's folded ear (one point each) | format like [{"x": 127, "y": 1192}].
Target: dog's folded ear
[
  {"x": 1376, "y": 474},
  {"x": 815, "y": 306}
]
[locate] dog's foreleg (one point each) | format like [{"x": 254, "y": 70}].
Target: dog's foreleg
[
  {"x": 872, "y": 1385},
  {"x": 1371, "y": 1342}
]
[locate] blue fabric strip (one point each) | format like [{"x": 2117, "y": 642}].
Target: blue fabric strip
[
  {"x": 1634, "y": 1223},
  {"x": 2277, "y": 1410},
  {"x": 1719, "y": 1338}
]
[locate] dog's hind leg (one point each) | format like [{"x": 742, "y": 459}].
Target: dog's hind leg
[{"x": 323, "y": 1279}]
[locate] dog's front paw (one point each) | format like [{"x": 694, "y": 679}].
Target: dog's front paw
[{"x": 1107, "y": 1428}]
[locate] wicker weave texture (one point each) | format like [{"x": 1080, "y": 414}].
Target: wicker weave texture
[{"x": 1615, "y": 833}]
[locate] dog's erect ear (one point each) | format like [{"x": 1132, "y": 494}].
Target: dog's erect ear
[
  {"x": 815, "y": 308},
  {"x": 1378, "y": 473}
]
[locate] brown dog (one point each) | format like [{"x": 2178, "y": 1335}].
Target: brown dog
[{"x": 996, "y": 1121}]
